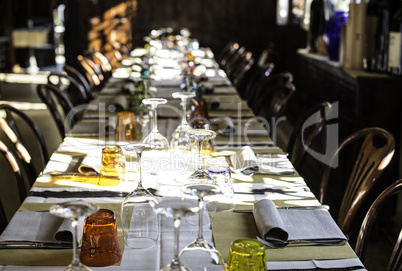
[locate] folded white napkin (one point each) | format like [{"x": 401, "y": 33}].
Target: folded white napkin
[
  {"x": 39, "y": 227},
  {"x": 244, "y": 161},
  {"x": 281, "y": 227},
  {"x": 92, "y": 162}
]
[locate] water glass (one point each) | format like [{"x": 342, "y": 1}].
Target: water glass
[
  {"x": 113, "y": 166},
  {"x": 100, "y": 243},
  {"x": 125, "y": 127},
  {"x": 223, "y": 179},
  {"x": 247, "y": 254}
]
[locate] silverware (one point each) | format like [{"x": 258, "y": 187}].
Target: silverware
[
  {"x": 28, "y": 244},
  {"x": 319, "y": 207}
]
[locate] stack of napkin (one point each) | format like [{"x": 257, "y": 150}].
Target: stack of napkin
[{"x": 281, "y": 227}]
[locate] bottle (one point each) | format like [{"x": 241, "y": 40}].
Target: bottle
[
  {"x": 377, "y": 36},
  {"x": 199, "y": 118},
  {"x": 395, "y": 43}
]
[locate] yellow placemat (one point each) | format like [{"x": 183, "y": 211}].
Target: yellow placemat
[{"x": 229, "y": 226}]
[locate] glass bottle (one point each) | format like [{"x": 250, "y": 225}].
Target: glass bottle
[
  {"x": 377, "y": 32},
  {"x": 395, "y": 43}
]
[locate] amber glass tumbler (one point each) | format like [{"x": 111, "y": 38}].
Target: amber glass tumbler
[{"x": 100, "y": 243}]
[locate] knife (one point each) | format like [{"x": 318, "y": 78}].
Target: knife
[
  {"x": 319, "y": 207},
  {"x": 76, "y": 194},
  {"x": 28, "y": 244}
]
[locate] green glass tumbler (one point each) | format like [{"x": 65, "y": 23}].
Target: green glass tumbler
[{"x": 247, "y": 254}]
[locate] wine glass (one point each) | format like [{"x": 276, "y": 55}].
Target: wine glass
[
  {"x": 180, "y": 142},
  {"x": 200, "y": 135},
  {"x": 177, "y": 208},
  {"x": 155, "y": 138},
  {"x": 200, "y": 248},
  {"x": 74, "y": 210},
  {"x": 138, "y": 217}
]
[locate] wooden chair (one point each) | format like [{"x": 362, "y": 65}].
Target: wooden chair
[
  {"x": 225, "y": 51},
  {"x": 92, "y": 72},
  {"x": 53, "y": 97},
  {"x": 376, "y": 148},
  {"x": 264, "y": 86},
  {"x": 13, "y": 132},
  {"x": 75, "y": 90},
  {"x": 22, "y": 190},
  {"x": 395, "y": 261},
  {"x": 233, "y": 48},
  {"x": 274, "y": 101},
  {"x": 79, "y": 77},
  {"x": 294, "y": 149}
]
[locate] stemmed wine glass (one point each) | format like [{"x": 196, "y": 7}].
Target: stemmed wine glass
[
  {"x": 177, "y": 208},
  {"x": 139, "y": 220},
  {"x": 200, "y": 248},
  {"x": 155, "y": 138},
  {"x": 200, "y": 135},
  {"x": 180, "y": 142},
  {"x": 74, "y": 210}
]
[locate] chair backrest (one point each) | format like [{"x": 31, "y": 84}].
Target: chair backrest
[
  {"x": 79, "y": 77},
  {"x": 103, "y": 62},
  {"x": 233, "y": 48},
  {"x": 22, "y": 190},
  {"x": 92, "y": 71},
  {"x": 377, "y": 148},
  {"x": 264, "y": 87},
  {"x": 13, "y": 132},
  {"x": 52, "y": 97},
  {"x": 395, "y": 261},
  {"x": 74, "y": 90},
  {"x": 293, "y": 148},
  {"x": 12, "y": 161},
  {"x": 274, "y": 101}
]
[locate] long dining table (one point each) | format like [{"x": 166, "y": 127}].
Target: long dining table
[{"x": 61, "y": 179}]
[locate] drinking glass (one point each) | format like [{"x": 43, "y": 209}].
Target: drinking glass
[
  {"x": 180, "y": 142},
  {"x": 138, "y": 217},
  {"x": 176, "y": 207},
  {"x": 200, "y": 135},
  {"x": 200, "y": 248},
  {"x": 155, "y": 138},
  {"x": 247, "y": 254},
  {"x": 100, "y": 243},
  {"x": 223, "y": 179},
  {"x": 113, "y": 166},
  {"x": 74, "y": 210},
  {"x": 125, "y": 127}
]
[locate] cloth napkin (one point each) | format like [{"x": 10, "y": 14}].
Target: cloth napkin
[
  {"x": 244, "y": 161},
  {"x": 39, "y": 227},
  {"x": 227, "y": 127},
  {"x": 281, "y": 227},
  {"x": 92, "y": 162}
]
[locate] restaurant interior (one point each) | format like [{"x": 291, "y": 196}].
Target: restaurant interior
[{"x": 280, "y": 41}]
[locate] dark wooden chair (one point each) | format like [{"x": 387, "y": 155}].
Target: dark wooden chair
[
  {"x": 302, "y": 138},
  {"x": 53, "y": 97},
  {"x": 264, "y": 87},
  {"x": 274, "y": 101},
  {"x": 395, "y": 261},
  {"x": 79, "y": 77},
  {"x": 226, "y": 57},
  {"x": 22, "y": 190},
  {"x": 103, "y": 62},
  {"x": 225, "y": 51},
  {"x": 375, "y": 149},
  {"x": 14, "y": 133},
  {"x": 92, "y": 72},
  {"x": 74, "y": 89}
]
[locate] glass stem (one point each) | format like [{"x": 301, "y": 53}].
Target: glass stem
[
  {"x": 139, "y": 169},
  {"x": 200, "y": 154},
  {"x": 200, "y": 218},
  {"x": 154, "y": 119},
  {"x": 184, "y": 114},
  {"x": 76, "y": 260},
  {"x": 177, "y": 222}
]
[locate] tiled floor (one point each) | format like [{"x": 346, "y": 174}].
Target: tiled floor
[{"x": 378, "y": 252}]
